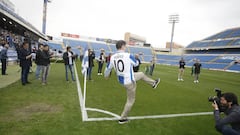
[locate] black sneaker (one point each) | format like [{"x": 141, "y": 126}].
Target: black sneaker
[
  {"x": 123, "y": 121},
  {"x": 155, "y": 84}
]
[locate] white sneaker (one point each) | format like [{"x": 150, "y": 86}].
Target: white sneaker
[
  {"x": 181, "y": 79},
  {"x": 155, "y": 84},
  {"x": 197, "y": 81}
]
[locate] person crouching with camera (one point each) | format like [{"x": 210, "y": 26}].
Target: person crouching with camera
[{"x": 230, "y": 124}]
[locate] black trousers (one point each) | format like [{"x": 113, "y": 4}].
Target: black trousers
[
  {"x": 4, "y": 66},
  {"x": 100, "y": 66}
]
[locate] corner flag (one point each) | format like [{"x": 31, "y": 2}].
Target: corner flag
[{"x": 85, "y": 62}]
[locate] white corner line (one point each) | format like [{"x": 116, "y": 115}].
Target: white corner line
[
  {"x": 103, "y": 111},
  {"x": 80, "y": 96},
  {"x": 153, "y": 116}
]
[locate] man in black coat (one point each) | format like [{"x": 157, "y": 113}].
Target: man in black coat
[
  {"x": 68, "y": 58},
  {"x": 25, "y": 62},
  {"x": 4, "y": 57},
  {"x": 91, "y": 57}
]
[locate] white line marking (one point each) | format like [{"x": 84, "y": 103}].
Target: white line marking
[
  {"x": 117, "y": 117},
  {"x": 153, "y": 116},
  {"x": 103, "y": 111},
  {"x": 84, "y": 112}
]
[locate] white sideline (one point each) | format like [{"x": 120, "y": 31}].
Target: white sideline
[
  {"x": 153, "y": 116},
  {"x": 83, "y": 110},
  {"x": 117, "y": 117}
]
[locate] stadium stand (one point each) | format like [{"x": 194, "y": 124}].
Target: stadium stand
[
  {"x": 215, "y": 52},
  {"x": 145, "y": 52},
  {"x": 55, "y": 46},
  {"x": 218, "y": 51},
  {"x": 14, "y": 30}
]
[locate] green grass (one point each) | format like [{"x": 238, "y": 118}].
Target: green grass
[
  {"x": 13, "y": 72},
  {"x": 54, "y": 109}
]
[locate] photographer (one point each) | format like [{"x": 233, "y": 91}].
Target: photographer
[{"x": 230, "y": 124}]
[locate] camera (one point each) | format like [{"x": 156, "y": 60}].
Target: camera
[{"x": 217, "y": 99}]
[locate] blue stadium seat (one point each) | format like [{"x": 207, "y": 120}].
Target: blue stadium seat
[
  {"x": 56, "y": 46},
  {"x": 235, "y": 67}
]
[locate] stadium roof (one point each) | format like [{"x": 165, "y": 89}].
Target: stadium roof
[{"x": 13, "y": 17}]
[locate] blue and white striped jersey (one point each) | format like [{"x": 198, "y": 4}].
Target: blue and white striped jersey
[{"x": 122, "y": 63}]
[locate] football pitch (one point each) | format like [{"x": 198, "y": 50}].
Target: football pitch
[{"x": 54, "y": 109}]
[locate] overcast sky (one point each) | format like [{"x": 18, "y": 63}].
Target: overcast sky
[{"x": 147, "y": 18}]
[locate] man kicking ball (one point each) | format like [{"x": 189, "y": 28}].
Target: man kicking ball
[{"x": 123, "y": 63}]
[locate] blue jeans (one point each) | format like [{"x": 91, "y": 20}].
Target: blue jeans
[
  {"x": 151, "y": 69},
  {"x": 89, "y": 73},
  {"x": 24, "y": 74},
  {"x": 71, "y": 71},
  {"x": 38, "y": 69},
  {"x": 227, "y": 130}
]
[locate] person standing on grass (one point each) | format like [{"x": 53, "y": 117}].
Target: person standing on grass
[
  {"x": 4, "y": 57},
  {"x": 108, "y": 61},
  {"x": 153, "y": 63},
  {"x": 68, "y": 58},
  {"x": 197, "y": 68},
  {"x": 181, "y": 69},
  {"x": 39, "y": 61},
  {"x": 46, "y": 64},
  {"x": 123, "y": 63},
  {"x": 25, "y": 62},
  {"x": 100, "y": 62},
  {"x": 91, "y": 57}
]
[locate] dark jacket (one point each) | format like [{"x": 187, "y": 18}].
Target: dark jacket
[
  {"x": 39, "y": 57},
  {"x": 46, "y": 58},
  {"x": 23, "y": 53},
  {"x": 66, "y": 58},
  {"x": 182, "y": 64},
  {"x": 232, "y": 117},
  {"x": 197, "y": 68},
  {"x": 91, "y": 57}
]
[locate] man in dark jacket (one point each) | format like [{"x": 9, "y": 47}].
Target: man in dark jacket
[
  {"x": 46, "y": 63},
  {"x": 230, "y": 124},
  {"x": 68, "y": 58},
  {"x": 39, "y": 60},
  {"x": 91, "y": 57},
  {"x": 25, "y": 62},
  {"x": 4, "y": 57}
]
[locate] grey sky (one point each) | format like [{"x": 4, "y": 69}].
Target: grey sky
[{"x": 148, "y": 18}]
